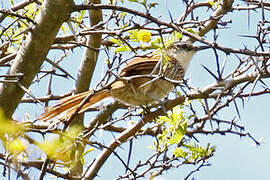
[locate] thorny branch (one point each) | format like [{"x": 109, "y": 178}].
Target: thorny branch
[{"x": 248, "y": 79}]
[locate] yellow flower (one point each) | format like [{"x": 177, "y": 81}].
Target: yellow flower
[{"x": 144, "y": 35}]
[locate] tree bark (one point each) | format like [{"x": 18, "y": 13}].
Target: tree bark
[
  {"x": 84, "y": 78},
  {"x": 33, "y": 52}
]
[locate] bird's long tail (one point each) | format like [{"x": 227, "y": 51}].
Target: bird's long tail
[{"x": 68, "y": 105}]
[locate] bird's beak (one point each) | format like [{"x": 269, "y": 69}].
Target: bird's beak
[{"x": 198, "y": 48}]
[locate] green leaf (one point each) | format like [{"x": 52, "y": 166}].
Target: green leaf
[
  {"x": 80, "y": 17},
  {"x": 177, "y": 35},
  {"x": 168, "y": 40},
  {"x": 176, "y": 137},
  {"x": 163, "y": 119},
  {"x": 212, "y": 3},
  {"x": 133, "y": 35},
  {"x": 64, "y": 29},
  {"x": 122, "y": 49},
  {"x": 178, "y": 152},
  {"x": 134, "y": 1},
  {"x": 116, "y": 41},
  {"x": 12, "y": 2},
  {"x": 192, "y": 31},
  {"x": 123, "y": 14},
  {"x": 197, "y": 152},
  {"x": 88, "y": 151},
  {"x": 124, "y": 26}
]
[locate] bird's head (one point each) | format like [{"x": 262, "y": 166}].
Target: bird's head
[{"x": 183, "y": 52}]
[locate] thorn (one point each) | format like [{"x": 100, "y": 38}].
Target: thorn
[
  {"x": 129, "y": 154},
  {"x": 217, "y": 63},
  {"x": 236, "y": 107},
  {"x": 253, "y": 85},
  {"x": 210, "y": 72},
  {"x": 170, "y": 15}
]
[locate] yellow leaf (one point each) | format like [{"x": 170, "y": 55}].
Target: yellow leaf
[
  {"x": 212, "y": 3},
  {"x": 6, "y": 127},
  {"x": 86, "y": 152},
  {"x": 191, "y": 31},
  {"x": 122, "y": 49},
  {"x": 115, "y": 41},
  {"x": 56, "y": 150},
  {"x": 16, "y": 146},
  {"x": 178, "y": 152}
]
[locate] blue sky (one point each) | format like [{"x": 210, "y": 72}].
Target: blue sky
[{"x": 235, "y": 158}]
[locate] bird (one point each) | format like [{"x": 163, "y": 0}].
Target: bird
[{"x": 142, "y": 81}]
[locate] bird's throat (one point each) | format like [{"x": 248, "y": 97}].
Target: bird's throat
[{"x": 184, "y": 58}]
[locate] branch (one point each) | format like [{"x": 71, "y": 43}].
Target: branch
[
  {"x": 227, "y": 84},
  {"x": 205, "y": 92},
  {"x": 33, "y": 52},
  {"x": 85, "y": 74},
  {"x": 90, "y": 56},
  {"x": 17, "y": 7},
  {"x": 222, "y": 9}
]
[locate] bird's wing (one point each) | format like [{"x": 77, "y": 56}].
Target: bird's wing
[{"x": 139, "y": 64}]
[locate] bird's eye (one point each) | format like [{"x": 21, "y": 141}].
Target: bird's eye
[{"x": 186, "y": 47}]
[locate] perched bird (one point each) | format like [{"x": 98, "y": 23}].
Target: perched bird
[{"x": 142, "y": 81}]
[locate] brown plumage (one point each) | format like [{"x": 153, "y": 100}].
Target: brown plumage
[
  {"x": 131, "y": 88},
  {"x": 68, "y": 105}
]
